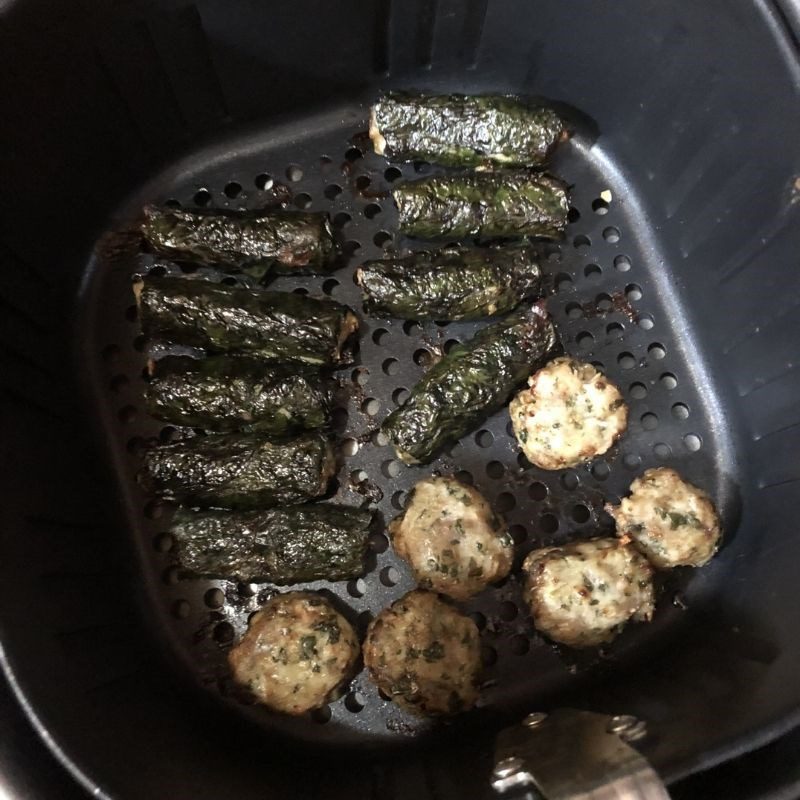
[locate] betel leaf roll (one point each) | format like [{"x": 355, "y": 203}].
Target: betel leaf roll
[
  {"x": 456, "y": 283},
  {"x": 492, "y": 204},
  {"x": 227, "y": 393},
  {"x": 278, "y": 240},
  {"x": 471, "y": 382},
  {"x": 280, "y": 545},
  {"x": 239, "y": 470},
  {"x": 278, "y": 326},
  {"x": 464, "y": 131}
]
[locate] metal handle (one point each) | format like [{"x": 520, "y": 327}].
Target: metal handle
[{"x": 574, "y": 755}]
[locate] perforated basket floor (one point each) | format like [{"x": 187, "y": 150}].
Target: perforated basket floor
[{"x": 614, "y": 306}]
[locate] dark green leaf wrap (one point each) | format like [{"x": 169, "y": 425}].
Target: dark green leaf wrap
[
  {"x": 280, "y": 545},
  {"x": 227, "y": 393},
  {"x": 277, "y": 326},
  {"x": 463, "y": 131},
  {"x": 491, "y": 204},
  {"x": 470, "y": 383},
  {"x": 284, "y": 241},
  {"x": 457, "y": 283},
  {"x": 240, "y": 470}
]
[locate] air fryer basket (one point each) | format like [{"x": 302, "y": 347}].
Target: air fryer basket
[{"x": 681, "y": 285}]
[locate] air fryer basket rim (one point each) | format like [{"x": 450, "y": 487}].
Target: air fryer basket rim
[{"x": 15, "y": 669}]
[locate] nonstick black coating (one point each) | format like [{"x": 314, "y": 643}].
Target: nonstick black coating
[
  {"x": 693, "y": 111},
  {"x": 612, "y": 308}
]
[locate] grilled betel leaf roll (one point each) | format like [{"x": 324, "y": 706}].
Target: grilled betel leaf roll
[
  {"x": 492, "y": 204},
  {"x": 452, "y": 284},
  {"x": 472, "y": 381},
  {"x": 464, "y": 131},
  {"x": 280, "y": 545},
  {"x": 227, "y": 393},
  {"x": 278, "y": 326},
  {"x": 239, "y": 470},
  {"x": 287, "y": 242}
]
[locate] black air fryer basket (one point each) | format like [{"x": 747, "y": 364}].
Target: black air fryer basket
[{"x": 678, "y": 275}]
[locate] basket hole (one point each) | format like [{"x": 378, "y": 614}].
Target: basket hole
[
  {"x": 662, "y": 450},
  {"x": 371, "y": 406},
  {"x": 611, "y": 234},
  {"x": 599, "y": 206},
  {"x": 692, "y": 442},
  {"x": 264, "y": 181},
  {"x": 171, "y": 576},
  {"x": 604, "y": 302},
  {"x": 622, "y": 263},
  {"x": 645, "y": 321},
  {"x": 303, "y": 200},
  {"x": 649, "y": 421},
  {"x": 351, "y": 246},
  {"x": 423, "y": 357},
  {"x": 202, "y": 197},
  {"x": 232, "y": 189},
  {"x": 479, "y": 620},
  {"x": 390, "y": 576},
  {"x": 520, "y": 644},
  {"x": 537, "y": 491},
  {"x": 380, "y": 439},
  {"x": 135, "y": 445},
  {"x": 339, "y": 418},
  {"x": 615, "y": 330},
  {"x": 518, "y": 533},
  {"x": 181, "y": 609},
  {"x": 127, "y": 414},
  {"x": 163, "y": 542},
  {"x": 214, "y": 598},
  {"x": 638, "y": 391},
  {"x": 668, "y": 381},
  {"x": 585, "y": 340},
  {"x": 548, "y": 523},
  {"x": 633, "y": 292},
  {"x": 391, "y": 468},
  {"x": 626, "y": 360},
  {"x": 400, "y": 395},
  {"x": 357, "y": 587},
  {"x": 422, "y": 167},
  {"x": 398, "y": 499},
  {"x": 391, "y": 366},
  {"x": 360, "y": 376},
  {"x": 573, "y": 215},
  {"x": 392, "y": 174},
  {"x": 508, "y": 611},
  {"x": 341, "y": 219},
  {"x": 574, "y": 310},
  {"x": 354, "y": 154},
  {"x": 484, "y": 438},
  {"x": 563, "y": 282},
  {"x": 349, "y": 447},
  {"x": 118, "y": 382},
  {"x": 449, "y": 345},
  {"x": 332, "y": 191},
  {"x": 294, "y": 173},
  {"x": 172, "y": 203},
  {"x": 582, "y": 243},
  {"x": 380, "y": 336},
  {"x": 411, "y": 328},
  {"x": 657, "y": 351},
  {"x": 592, "y": 271},
  {"x": 505, "y": 502},
  {"x": 382, "y": 238},
  {"x": 378, "y": 543},
  {"x": 580, "y": 513},
  {"x": 495, "y": 470},
  {"x": 631, "y": 461},
  {"x": 355, "y": 702},
  {"x": 321, "y": 715},
  {"x": 601, "y": 470},
  {"x": 224, "y": 633},
  {"x": 488, "y": 655},
  {"x": 570, "y": 480},
  {"x": 465, "y": 476},
  {"x": 372, "y": 210},
  {"x": 680, "y": 411}
]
